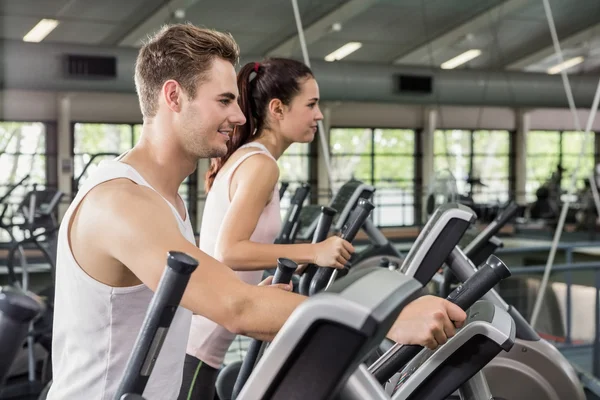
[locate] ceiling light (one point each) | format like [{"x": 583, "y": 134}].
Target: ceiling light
[
  {"x": 565, "y": 65},
  {"x": 343, "y": 51},
  {"x": 461, "y": 59},
  {"x": 41, "y": 30}
]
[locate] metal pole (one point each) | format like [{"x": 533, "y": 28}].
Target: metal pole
[
  {"x": 321, "y": 129},
  {"x": 565, "y": 208}
]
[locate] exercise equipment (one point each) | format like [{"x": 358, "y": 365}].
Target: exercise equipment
[
  {"x": 39, "y": 228},
  {"x": 480, "y": 248},
  {"x": 535, "y": 368},
  {"x": 283, "y": 274},
  {"x": 434, "y": 375},
  {"x": 155, "y": 327},
  {"x": 18, "y": 310},
  {"x": 327, "y": 336},
  {"x": 290, "y": 222},
  {"x": 306, "y": 361},
  {"x": 323, "y": 227},
  {"x": 355, "y": 221},
  {"x": 464, "y": 296},
  {"x": 349, "y": 230}
]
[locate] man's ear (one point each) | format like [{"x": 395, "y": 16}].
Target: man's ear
[{"x": 173, "y": 95}]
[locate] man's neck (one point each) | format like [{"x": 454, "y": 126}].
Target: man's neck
[{"x": 160, "y": 162}]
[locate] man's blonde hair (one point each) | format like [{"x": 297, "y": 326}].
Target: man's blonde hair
[{"x": 182, "y": 52}]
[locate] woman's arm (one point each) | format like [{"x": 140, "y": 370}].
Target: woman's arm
[{"x": 252, "y": 186}]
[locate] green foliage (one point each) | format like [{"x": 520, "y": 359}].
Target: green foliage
[{"x": 22, "y": 152}]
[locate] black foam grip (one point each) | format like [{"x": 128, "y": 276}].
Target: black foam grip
[
  {"x": 157, "y": 322},
  {"x": 285, "y": 270},
  {"x": 321, "y": 232},
  {"x": 355, "y": 221},
  {"x": 283, "y": 274},
  {"x": 488, "y": 276}
]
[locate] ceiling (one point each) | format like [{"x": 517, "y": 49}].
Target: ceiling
[{"x": 512, "y": 34}]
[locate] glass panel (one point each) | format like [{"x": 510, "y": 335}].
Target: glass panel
[
  {"x": 586, "y": 167},
  {"x": 394, "y": 141},
  {"x": 572, "y": 142},
  {"x": 394, "y": 167},
  {"x": 543, "y": 142},
  {"x": 394, "y": 204},
  {"x": 91, "y": 140},
  {"x": 23, "y": 138},
  {"x": 137, "y": 132},
  {"x": 350, "y": 141},
  {"x": 297, "y": 148},
  {"x": 491, "y": 142},
  {"x": 22, "y": 153},
  {"x": 351, "y": 166},
  {"x": 293, "y": 168},
  {"x": 102, "y": 138},
  {"x": 541, "y": 167},
  {"x": 456, "y": 142}
]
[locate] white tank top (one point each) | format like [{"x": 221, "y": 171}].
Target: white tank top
[
  {"x": 96, "y": 325},
  {"x": 208, "y": 341}
]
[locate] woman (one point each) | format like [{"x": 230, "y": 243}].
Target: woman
[{"x": 242, "y": 218}]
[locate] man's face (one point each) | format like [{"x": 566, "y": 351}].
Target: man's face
[{"x": 206, "y": 121}]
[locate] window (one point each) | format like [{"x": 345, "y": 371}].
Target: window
[
  {"x": 549, "y": 151},
  {"x": 478, "y": 160},
  {"x": 93, "y": 143},
  {"x": 384, "y": 158},
  {"x": 22, "y": 155},
  {"x": 293, "y": 169}
]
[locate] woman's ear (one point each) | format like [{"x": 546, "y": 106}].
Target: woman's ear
[{"x": 276, "y": 109}]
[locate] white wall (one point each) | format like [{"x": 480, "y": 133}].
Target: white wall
[
  {"x": 85, "y": 106},
  {"x": 124, "y": 107}
]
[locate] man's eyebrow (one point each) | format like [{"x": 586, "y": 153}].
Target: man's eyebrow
[{"x": 228, "y": 95}]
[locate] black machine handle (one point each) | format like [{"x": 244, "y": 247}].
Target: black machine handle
[
  {"x": 464, "y": 296},
  {"x": 283, "y": 188},
  {"x": 321, "y": 232},
  {"x": 356, "y": 219},
  {"x": 283, "y": 274},
  {"x": 493, "y": 228},
  {"x": 293, "y": 214},
  {"x": 155, "y": 327}
]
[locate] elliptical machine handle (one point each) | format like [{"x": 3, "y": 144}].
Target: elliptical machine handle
[
  {"x": 464, "y": 296},
  {"x": 160, "y": 314},
  {"x": 323, "y": 227},
  {"x": 283, "y": 274},
  {"x": 355, "y": 221}
]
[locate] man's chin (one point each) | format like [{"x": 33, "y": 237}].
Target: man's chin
[{"x": 218, "y": 151}]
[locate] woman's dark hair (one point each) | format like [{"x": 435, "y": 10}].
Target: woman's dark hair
[{"x": 258, "y": 84}]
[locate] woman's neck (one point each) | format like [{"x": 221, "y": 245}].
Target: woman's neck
[{"x": 276, "y": 144}]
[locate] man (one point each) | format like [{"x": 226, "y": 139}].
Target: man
[{"x": 115, "y": 236}]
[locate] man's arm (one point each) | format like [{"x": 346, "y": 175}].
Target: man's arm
[{"x": 137, "y": 228}]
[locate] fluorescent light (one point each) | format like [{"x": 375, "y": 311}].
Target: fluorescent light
[
  {"x": 343, "y": 51},
  {"x": 565, "y": 65},
  {"x": 40, "y": 31},
  {"x": 461, "y": 59}
]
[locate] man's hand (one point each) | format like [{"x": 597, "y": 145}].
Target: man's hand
[
  {"x": 282, "y": 286},
  {"x": 428, "y": 321}
]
